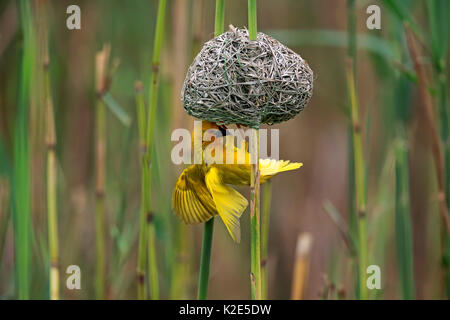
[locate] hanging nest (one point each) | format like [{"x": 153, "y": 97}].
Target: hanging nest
[{"x": 234, "y": 80}]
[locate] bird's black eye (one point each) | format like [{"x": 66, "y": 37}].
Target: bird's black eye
[{"x": 223, "y": 131}]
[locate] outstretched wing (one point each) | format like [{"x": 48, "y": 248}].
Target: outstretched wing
[
  {"x": 230, "y": 204},
  {"x": 191, "y": 200}
]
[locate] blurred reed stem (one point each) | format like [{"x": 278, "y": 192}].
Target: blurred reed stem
[
  {"x": 436, "y": 149},
  {"x": 21, "y": 170},
  {"x": 140, "y": 111},
  {"x": 52, "y": 209},
  {"x": 360, "y": 182},
  {"x": 141, "y": 117},
  {"x": 255, "y": 205},
  {"x": 403, "y": 230},
  {"x": 100, "y": 200},
  {"x": 205, "y": 260},
  {"x": 102, "y": 83},
  {"x": 438, "y": 20},
  {"x": 255, "y": 225},
  {"x": 147, "y": 225},
  {"x": 5, "y": 212},
  {"x": 265, "y": 220},
  {"x": 428, "y": 112},
  {"x": 353, "y": 217},
  {"x": 301, "y": 266}
]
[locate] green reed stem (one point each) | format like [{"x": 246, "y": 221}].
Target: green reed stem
[
  {"x": 152, "y": 261},
  {"x": 50, "y": 141},
  {"x": 265, "y": 220},
  {"x": 351, "y": 29},
  {"x": 5, "y": 212},
  {"x": 21, "y": 169},
  {"x": 141, "y": 117},
  {"x": 252, "y": 20},
  {"x": 255, "y": 223},
  {"x": 435, "y": 142},
  {"x": 403, "y": 221},
  {"x": 438, "y": 20},
  {"x": 360, "y": 183},
  {"x": 255, "y": 205},
  {"x": 219, "y": 18},
  {"x": 52, "y": 209},
  {"x": 205, "y": 260},
  {"x": 141, "y": 114},
  {"x": 140, "y": 111},
  {"x": 357, "y": 223},
  {"x": 203, "y": 280},
  {"x": 100, "y": 199},
  {"x": 142, "y": 236},
  {"x": 147, "y": 232}
]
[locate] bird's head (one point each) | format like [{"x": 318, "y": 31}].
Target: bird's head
[{"x": 209, "y": 132}]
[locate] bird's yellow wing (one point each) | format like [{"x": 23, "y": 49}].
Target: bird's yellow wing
[
  {"x": 191, "y": 199},
  {"x": 230, "y": 204}
]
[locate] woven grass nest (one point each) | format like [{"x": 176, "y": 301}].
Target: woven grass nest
[{"x": 234, "y": 80}]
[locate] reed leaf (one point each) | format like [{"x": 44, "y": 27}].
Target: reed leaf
[
  {"x": 116, "y": 109},
  {"x": 21, "y": 169},
  {"x": 403, "y": 230}
]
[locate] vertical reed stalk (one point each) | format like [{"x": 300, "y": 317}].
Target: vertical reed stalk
[
  {"x": 219, "y": 19},
  {"x": 265, "y": 220},
  {"x": 203, "y": 280},
  {"x": 438, "y": 17},
  {"x": 152, "y": 261},
  {"x": 353, "y": 219},
  {"x": 21, "y": 168},
  {"x": 50, "y": 140},
  {"x": 427, "y": 109},
  {"x": 5, "y": 212},
  {"x": 255, "y": 225},
  {"x": 360, "y": 182},
  {"x": 255, "y": 205},
  {"x": 52, "y": 208},
  {"x": 436, "y": 148},
  {"x": 102, "y": 82},
  {"x": 140, "y": 111},
  {"x": 147, "y": 226},
  {"x": 301, "y": 267},
  {"x": 140, "y": 271},
  {"x": 205, "y": 259},
  {"x": 100, "y": 199},
  {"x": 141, "y": 117},
  {"x": 403, "y": 221}
]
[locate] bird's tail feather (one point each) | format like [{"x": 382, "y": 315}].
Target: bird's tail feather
[{"x": 230, "y": 204}]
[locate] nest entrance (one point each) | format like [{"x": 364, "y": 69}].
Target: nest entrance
[{"x": 236, "y": 80}]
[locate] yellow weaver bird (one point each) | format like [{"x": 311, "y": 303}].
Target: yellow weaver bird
[{"x": 202, "y": 190}]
